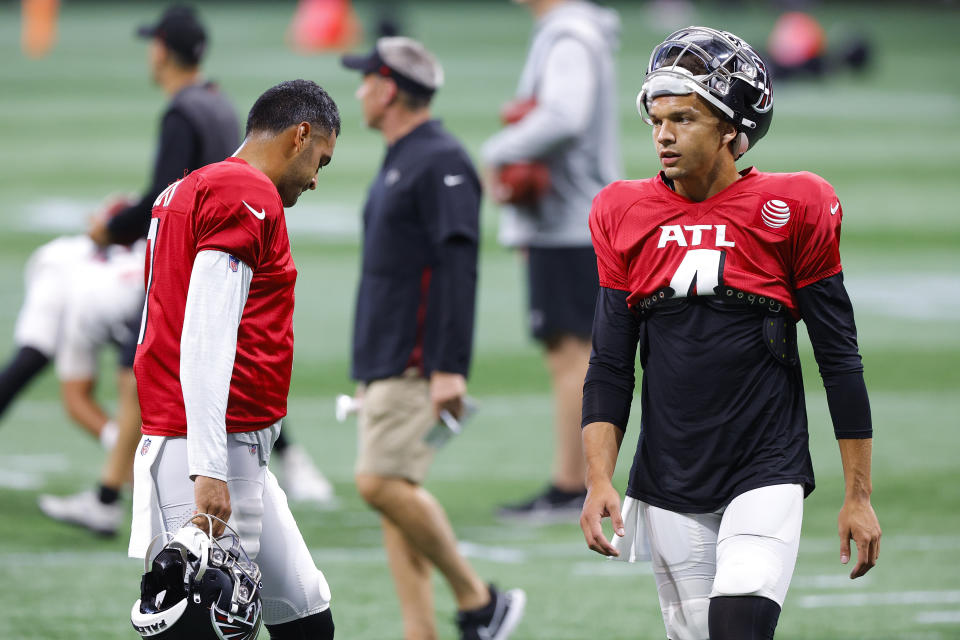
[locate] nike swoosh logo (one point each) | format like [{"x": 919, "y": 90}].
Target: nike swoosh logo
[
  {"x": 834, "y": 209},
  {"x": 452, "y": 181},
  {"x": 259, "y": 215}
]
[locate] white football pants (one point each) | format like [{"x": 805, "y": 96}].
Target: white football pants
[
  {"x": 293, "y": 587},
  {"x": 747, "y": 549}
]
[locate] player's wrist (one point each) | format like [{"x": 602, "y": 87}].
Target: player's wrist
[
  {"x": 598, "y": 479},
  {"x": 858, "y": 495}
]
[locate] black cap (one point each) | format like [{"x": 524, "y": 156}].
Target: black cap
[
  {"x": 406, "y": 61},
  {"x": 179, "y": 28}
]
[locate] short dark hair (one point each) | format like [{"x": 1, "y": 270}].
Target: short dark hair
[
  {"x": 184, "y": 61},
  {"x": 414, "y": 101},
  {"x": 290, "y": 103}
]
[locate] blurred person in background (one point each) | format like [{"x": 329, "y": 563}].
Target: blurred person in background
[
  {"x": 569, "y": 129},
  {"x": 53, "y": 277},
  {"x": 215, "y": 352},
  {"x": 798, "y": 47},
  {"x": 706, "y": 271},
  {"x": 78, "y": 298},
  {"x": 413, "y": 334},
  {"x": 198, "y": 127}
]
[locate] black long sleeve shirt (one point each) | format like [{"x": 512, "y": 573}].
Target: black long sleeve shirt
[{"x": 722, "y": 395}]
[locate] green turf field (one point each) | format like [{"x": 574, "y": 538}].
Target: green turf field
[{"x": 80, "y": 124}]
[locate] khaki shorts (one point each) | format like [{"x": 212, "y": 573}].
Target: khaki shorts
[{"x": 396, "y": 416}]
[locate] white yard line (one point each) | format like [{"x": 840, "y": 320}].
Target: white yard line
[
  {"x": 890, "y": 542},
  {"x": 20, "y": 480},
  {"x": 34, "y": 462},
  {"x": 501, "y": 555},
  {"x": 27, "y": 472},
  {"x": 888, "y": 598},
  {"x": 830, "y": 581},
  {"x": 938, "y": 617},
  {"x": 64, "y": 215}
]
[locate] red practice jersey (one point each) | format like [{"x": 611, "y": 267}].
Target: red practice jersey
[
  {"x": 765, "y": 235},
  {"x": 722, "y": 396},
  {"x": 231, "y": 207}
]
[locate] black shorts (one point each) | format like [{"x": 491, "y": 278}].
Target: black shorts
[{"x": 563, "y": 286}]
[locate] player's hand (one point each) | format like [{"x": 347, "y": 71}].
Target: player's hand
[
  {"x": 98, "y": 231},
  {"x": 211, "y": 496},
  {"x": 494, "y": 188},
  {"x": 602, "y": 501},
  {"x": 858, "y": 521},
  {"x": 447, "y": 391}
]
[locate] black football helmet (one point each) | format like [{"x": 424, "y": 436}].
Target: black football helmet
[
  {"x": 199, "y": 588},
  {"x": 721, "y": 68}
]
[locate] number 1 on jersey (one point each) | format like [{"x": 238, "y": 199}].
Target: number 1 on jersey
[{"x": 151, "y": 249}]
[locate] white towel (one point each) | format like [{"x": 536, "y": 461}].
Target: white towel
[
  {"x": 147, "y": 521},
  {"x": 633, "y": 546}
]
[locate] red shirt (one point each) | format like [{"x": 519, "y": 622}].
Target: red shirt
[
  {"x": 231, "y": 207},
  {"x": 766, "y": 234}
]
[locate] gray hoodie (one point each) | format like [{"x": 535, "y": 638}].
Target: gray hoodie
[{"x": 570, "y": 72}]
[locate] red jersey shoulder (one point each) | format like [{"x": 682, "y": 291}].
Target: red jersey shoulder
[
  {"x": 180, "y": 195},
  {"x": 786, "y": 203},
  {"x": 239, "y": 188},
  {"x": 624, "y": 192},
  {"x": 238, "y": 211},
  {"x": 805, "y": 187},
  {"x": 615, "y": 199}
]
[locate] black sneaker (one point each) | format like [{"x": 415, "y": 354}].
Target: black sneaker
[
  {"x": 497, "y": 620},
  {"x": 550, "y": 507}
]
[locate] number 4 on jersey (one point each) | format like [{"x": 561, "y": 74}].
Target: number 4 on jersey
[{"x": 700, "y": 272}]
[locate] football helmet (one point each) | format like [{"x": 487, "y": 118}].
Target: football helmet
[
  {"x": 722, "y": 69},
  {"x": 198, "y": 588}
]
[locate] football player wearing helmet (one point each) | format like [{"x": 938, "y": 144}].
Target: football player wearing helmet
[{"x": 706, "y": 271}]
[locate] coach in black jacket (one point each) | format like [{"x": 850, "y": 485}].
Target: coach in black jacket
[{"x": 413, "y": 333}]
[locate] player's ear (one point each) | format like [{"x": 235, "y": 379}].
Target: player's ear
[
  {"x": 390, "y": 92},
  {"x": 302, "y": 135},
  {"x": 728, "y": 133}
]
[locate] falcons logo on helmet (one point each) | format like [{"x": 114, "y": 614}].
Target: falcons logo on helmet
[
  {"x": 235, "y": 629},
  {"x": 765, "y": 103}
]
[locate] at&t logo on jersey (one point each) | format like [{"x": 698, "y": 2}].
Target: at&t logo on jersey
[{"x": 775, "y": 213}]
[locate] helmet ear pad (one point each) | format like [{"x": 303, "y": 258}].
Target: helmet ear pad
[
  {"x": 166, "y": 576},
  {"x": 740, "y": 145},
  {"x": 215, "y": 588}
]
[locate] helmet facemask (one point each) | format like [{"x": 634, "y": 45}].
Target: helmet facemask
[
  {"x": 720, "y": 68},
  {"x": 198, "y": 586}
]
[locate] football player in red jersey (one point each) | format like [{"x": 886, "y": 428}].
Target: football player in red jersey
[
  {"x": 706, "y": 271},
  {"x": 216, "y": 349}
]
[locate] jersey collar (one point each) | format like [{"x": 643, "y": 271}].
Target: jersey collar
[{"x": 746, "y": 176}]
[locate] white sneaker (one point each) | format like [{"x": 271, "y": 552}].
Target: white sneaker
[
  {"x": 302, "y": 481},
  {"x": 83, "y": 509}
]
